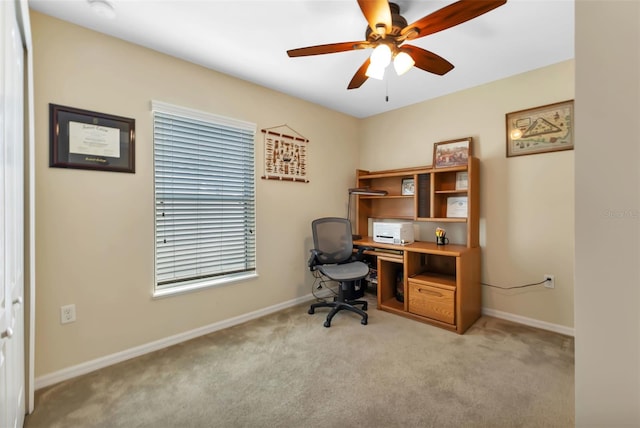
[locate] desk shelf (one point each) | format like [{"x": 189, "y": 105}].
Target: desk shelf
[
  {"x": 433, "y": 188},
  {"x": 443, "y": 219},
  {"x": 392, "y": 305}
]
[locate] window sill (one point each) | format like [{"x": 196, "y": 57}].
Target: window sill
[{"x": 202, "y": 284}]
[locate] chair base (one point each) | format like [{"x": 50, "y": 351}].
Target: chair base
[{"x": 339, "y": 305}]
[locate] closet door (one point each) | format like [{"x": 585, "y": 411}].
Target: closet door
[{"x": 12, "y": 372}]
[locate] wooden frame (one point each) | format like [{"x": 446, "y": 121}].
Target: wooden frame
[
  {"x": 452, "y": 152},
  {"x": 408, "y": 187},
  {"x": 543, "y": 129},
  {"x": 85, "y": 139}
]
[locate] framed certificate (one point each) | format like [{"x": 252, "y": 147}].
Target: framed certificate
[
  {"x": 85, "y": 139},
  {"x": 462, "y": 180},
  {"x": 457, "y": 207}
]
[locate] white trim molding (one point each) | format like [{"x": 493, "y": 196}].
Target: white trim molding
[
  {"x": 108, "y": 360},
  {"x": 118, "y": 357},
  {"x": 556, "y": 328}
]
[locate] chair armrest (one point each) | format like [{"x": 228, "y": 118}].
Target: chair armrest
[
  {"x": 361, "y": 250},
  {"x": 313, "y": 259}
]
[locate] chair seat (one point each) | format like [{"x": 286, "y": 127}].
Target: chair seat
[{"x": 346, "y": 272}]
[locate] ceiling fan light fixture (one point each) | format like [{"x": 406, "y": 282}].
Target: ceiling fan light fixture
[
  {"x": 381, "y": 30},
  {"x": 387, "y": 30},
  {"x": 375, "y": 71},
  {"x": 381, "y": 55},
  {"x": 403, "y": 63}
]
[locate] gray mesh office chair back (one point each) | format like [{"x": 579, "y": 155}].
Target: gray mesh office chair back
[{"x": 333, "y": 257}]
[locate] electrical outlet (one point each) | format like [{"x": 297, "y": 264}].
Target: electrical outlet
[
  {"x": 67, "y": 314},
  {"x": 550, "y": 281}
]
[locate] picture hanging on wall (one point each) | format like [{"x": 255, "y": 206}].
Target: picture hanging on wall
[
  {"x": 285, "y": 154},
  {"x": 542, "y": 129},
  {"x": 83, "y": 139}
]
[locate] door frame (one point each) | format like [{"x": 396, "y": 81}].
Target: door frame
[{"x": 24, "y": 24}]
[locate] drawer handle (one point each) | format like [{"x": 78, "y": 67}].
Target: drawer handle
[{"x": 433, "y": 293}]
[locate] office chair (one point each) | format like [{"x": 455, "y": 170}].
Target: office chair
[{"x": 333, "y": 257}]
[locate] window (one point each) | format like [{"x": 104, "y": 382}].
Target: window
[{"x": 204, "y": 199}]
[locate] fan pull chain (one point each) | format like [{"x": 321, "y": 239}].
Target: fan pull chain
[{"x": 386, "y": 98}]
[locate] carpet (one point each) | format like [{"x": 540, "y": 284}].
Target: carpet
[{"x": 287, "y": 370}]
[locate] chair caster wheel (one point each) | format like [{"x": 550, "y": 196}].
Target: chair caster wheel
[
  {"x": 327, "y": 324},
  {"x": 363, "y": 322},
  {"x": 311, "y": 311}
]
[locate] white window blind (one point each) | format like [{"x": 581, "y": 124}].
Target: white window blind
[{"x": 205, "y": 197}]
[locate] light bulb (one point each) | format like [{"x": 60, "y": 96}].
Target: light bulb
[
  {"x": 375, "y": 71},
  {"x": 381, "y": 55},
  {"x": 403, "y": 63}
]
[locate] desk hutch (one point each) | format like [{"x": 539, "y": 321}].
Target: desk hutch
[{"x": 441, "y": 283}]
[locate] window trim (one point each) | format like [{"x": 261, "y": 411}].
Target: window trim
[
  {"x": 192, "y": 285},
  {"x": 200, "y": 284}
]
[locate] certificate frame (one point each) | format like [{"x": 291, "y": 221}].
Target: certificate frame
[
  {"x": 543, "y": 129},
  {"x": 84, "y": 139},
  {"x": 462, "y": 180},
  {"x": 457, "y": 207}
]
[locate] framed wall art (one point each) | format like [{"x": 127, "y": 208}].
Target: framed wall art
[
  {"x": 543, "y": 129},
  {"x": 285, "y": 154},
  {"x": 85, "y": 139},
  {"x": 452, "y": 153}
]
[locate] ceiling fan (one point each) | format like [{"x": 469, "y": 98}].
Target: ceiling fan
[{"x": 388, "y": 31}]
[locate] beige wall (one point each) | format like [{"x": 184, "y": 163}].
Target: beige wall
[
  {"x": 95, "y": 229},
  {"x": 119, "y": 309},
  {"x": 526, "y": 202},
  {"x": 607, "y": 223}
]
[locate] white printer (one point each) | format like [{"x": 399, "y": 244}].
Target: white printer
[{"x": 393, "y": 233}]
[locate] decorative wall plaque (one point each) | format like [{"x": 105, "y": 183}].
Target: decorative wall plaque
[{"x": 285, "y": 154}]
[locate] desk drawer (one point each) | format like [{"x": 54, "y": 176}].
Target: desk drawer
[{"x": 432, "y": 302}]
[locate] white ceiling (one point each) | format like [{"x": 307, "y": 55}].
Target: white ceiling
[{"x": 249, "y": 39}]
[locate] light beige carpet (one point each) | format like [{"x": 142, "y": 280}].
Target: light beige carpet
[{"x": 287, "y": 370}]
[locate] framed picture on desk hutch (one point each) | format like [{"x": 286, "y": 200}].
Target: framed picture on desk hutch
[
  {"x": 441, "y": 283},
  {"x": 452, "y": 152}
]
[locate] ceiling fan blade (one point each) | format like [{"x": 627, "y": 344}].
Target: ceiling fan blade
[
  {"x": 360, "y": 77},
  {"x": 428, "y": 61},
  {"x": 327, "y": 49},
  {"x": 376, "y": 12},
  {"x": 449, "y": 16}
]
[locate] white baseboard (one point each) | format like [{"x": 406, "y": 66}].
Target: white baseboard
[
  {"x": 567, "y": 331},
  {"x": 108, "y": 360}
]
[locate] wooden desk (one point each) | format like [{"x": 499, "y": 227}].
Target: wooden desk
[{"x": 441, "y": 284}]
